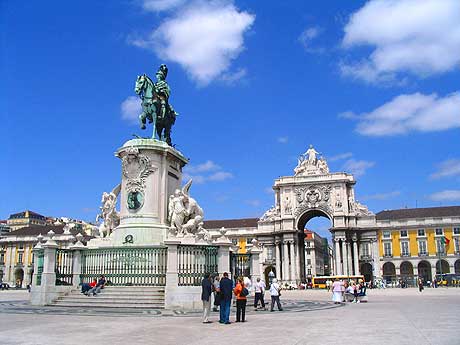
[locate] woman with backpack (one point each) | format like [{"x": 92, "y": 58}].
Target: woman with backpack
[{"x": 240, "y": 292}]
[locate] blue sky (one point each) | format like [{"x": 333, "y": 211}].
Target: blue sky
[{"x": 374, "y": 86}]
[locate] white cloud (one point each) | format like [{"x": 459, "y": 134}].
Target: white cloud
[
  {"x": 357, "y": 167},
  {"x": 414, "y": 36},
  {"x": 161, "y": 5},
  {"x": 340, "y": 157},
  {"x": 232, "y": 78},
  {"x": 204, "y": 167},
  {"x": 414, "y": 112},
  {"x": 203, "y": 37},
  {"x": 269, "y": 190},
  {"x": 205, "y": 172},
  {"x": 282, "y": 140},
  {"x": 220, "y": 176},
  {"x": 307, "y": 37},
  {"x": 253, "y": 203},
  {"x": 448, "y": 168},
  {"x": 446, "y": 195},
  {"x": 382, "y": 196},
  {"x": 131, "y": 109}
]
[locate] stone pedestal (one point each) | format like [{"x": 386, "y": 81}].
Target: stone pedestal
[{"x": 151, "y": 171}]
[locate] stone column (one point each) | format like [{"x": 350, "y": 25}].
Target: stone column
[
  {"x": 349, "y": 259},
  {"x": 255, "y": 266},
  {"x": 294, "y": 269},
  {"x": 343, "y": 257},
  {"x": 278, "y": 260},
  {"x": 375, "y": 258},
  {"x": 223, "y": 259},
  {"x": 338, "y": 267},
  {"x": 77, "y": 248},
  {"x": 49, "y": 263},
  {"x": 298, "y": 263},
  {"x": 356, "y": 256},
  {"x": 286, "y": 261},
  {"x": 172, "y": 279}
]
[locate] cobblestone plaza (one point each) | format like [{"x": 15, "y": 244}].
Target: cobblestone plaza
[{"x": 396, "y": 316}]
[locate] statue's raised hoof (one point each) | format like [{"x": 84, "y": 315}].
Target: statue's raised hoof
[
  {"x": 143, "y": 127},
  {"x": 150, "y": 120}
]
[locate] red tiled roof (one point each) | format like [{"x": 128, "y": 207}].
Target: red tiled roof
[
  {"x": 428, "y": 212},
  {"x": 231, "y": 223}
]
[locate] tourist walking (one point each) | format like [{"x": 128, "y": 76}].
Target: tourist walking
[
  {"x": 259, "y": 289},
  {"x": 206, "y": 291},
  {"x": 216, "y": 293},
  {"x": 337, "y": 290},
  {"x": 275, "y": 294},
  {"x": 420, "y": 284},
  {"x": 240, "y": 292},
  {"x": 226, "y": 288}
]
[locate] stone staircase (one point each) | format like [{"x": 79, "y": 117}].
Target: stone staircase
[{"x": 140, "y": 297}]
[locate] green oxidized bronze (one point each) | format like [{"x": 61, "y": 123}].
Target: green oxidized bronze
[{"x": 155, "y": 104}]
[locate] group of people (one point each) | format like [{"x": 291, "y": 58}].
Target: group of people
[
  {"x": 93, "y": 288},
  {"x": 223, "y": 289},
  {"x": 343, "y": 291}
]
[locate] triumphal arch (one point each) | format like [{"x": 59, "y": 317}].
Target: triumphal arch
[{"x": 314, "y": 191}]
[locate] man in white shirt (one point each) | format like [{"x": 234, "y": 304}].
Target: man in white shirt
[
  {"x": 259, "y": 289},
  {"x": 275, "y": 294}
]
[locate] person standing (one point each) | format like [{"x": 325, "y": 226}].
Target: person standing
[
  {"x": 206, "y": 290},
  {"x": 259, "y": 288},
  {"x": 216, "y": 285},
  {"x": 226, "y": 288},
  {"x": 275, "y": 294},
  {"x": 240, "y": 292},
  {"x": 337, "y": 290},
  {"x": 420, "y": 284}
]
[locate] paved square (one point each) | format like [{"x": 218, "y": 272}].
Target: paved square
[{"x": 392, "y": 316}]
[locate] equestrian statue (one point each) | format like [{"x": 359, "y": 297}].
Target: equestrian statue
[{"x": 155, "y": 104}]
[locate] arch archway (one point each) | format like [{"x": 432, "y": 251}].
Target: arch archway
[
  {"x": 457, "y": 267},
  {"x": 314, "y": 259},
  {"x": 406, "y": 271},
  {"x": 366, "y": 271},
  {"x": 424, "y": 271},
  {"x": 389, "y": 272},
  {"x": 267, "y": 276},
  {"x": 444, "y": 265},
  {"x": 19, "y": 277}
]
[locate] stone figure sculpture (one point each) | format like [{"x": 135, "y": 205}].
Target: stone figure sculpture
[
  {"x": 270, "y": 214},
  {"x": 184, "y": 214},
  {"x": 155, "y": 104},
  {"x": 309, "y": 164},
  {"x": 109, "y": 215}
]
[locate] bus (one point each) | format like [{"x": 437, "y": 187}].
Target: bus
[{"x": 320, "y": 281}]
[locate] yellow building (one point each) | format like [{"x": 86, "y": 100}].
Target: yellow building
[
  {"x": 420, "y": 242},
  {"x": 24, "y": 219}
]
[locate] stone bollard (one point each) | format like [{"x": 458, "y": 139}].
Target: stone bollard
[
  {"x": 172, "y": 279},
  {"x": 77, "y": 249}
]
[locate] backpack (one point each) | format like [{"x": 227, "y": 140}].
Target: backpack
[{"x": 244, "y": 292}]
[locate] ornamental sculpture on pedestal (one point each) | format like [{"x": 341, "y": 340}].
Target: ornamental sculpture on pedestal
[
  {"x": 109, "y": 215},
  {"x": 309, "y": 164}
]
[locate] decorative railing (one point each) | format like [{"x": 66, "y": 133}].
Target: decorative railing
[
  {"x": 240, "y": 265},
  {"x": 63, "y": 267},
  {"x": 40, "y": 255},
  {"x": 126, "y": 266},
  {"x": 194, "y": 261}
]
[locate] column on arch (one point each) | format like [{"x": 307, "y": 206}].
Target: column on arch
[
  {"x": 338, "y": 266},
  {"x": 349, "y": 259},
  {"x": 355, "y": 256},
  {"x": 294, "y": 269},
  {"x": 285, "y": 261},
  {"x": 278, "y": 259}
]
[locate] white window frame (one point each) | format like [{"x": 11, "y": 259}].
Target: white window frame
[
  {"x": 440, "y": 247},
  {"x": 385, "y": 254},
  {"x": 406, "y": 235},
  {"x": 457, "y": 244},
  {"x": 386, "y": 234},
  {"x": 407, "y": 253},
  {"x": 419, "y": 247},
  {"x": 456, "y": 231},
  {"x": 436, "y": 232},
  {"x": 364, "y": 250},
  {"x": 418, "y": 233}
]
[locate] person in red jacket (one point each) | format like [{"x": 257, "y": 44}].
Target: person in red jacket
[{"x": 240, "y": 292}]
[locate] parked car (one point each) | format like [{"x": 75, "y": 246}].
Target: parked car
[{"x": 4, "y": 286}]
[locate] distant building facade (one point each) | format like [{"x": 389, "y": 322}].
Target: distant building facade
[{"x": 24, "y": 219}]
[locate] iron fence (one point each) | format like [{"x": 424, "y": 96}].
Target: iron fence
[
  {"x": 126, "y": 266},
  {"x": 194, "y": 261},
  {"x": 63, "y": 267},
  {"x": 240, "y": 265}
]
